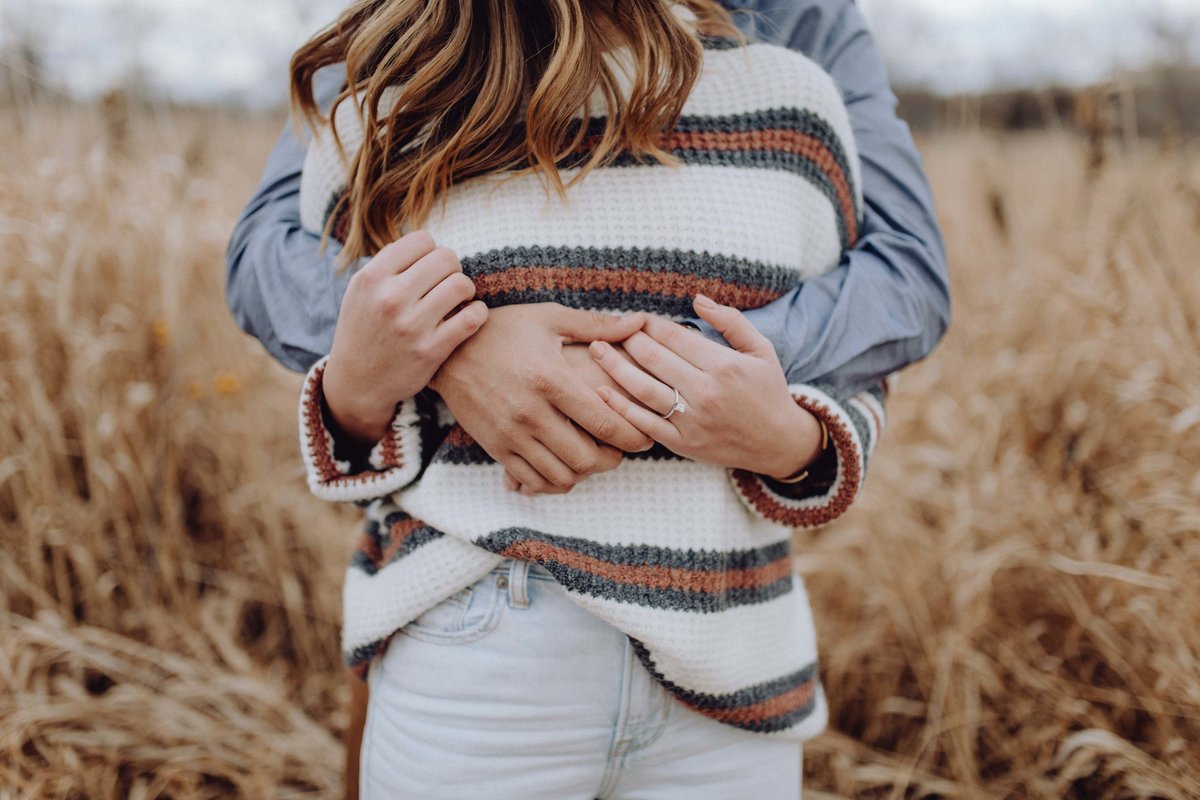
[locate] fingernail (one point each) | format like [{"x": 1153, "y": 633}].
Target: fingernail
[
  {"x": 597, "y": 350},
  {"x": 704, "y": 301}
]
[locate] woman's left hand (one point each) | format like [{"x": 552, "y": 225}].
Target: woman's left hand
[{"x": 738, "y": 410}]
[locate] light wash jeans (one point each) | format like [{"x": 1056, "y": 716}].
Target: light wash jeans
[{"x": 509, "y": 690}]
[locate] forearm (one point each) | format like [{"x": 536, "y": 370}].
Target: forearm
[
  {"x": 292, "y": 318},
  {"x": 886, "y": 304},
  {"x": 884, "y": 307},
  {"x": 280, "y": 287}
]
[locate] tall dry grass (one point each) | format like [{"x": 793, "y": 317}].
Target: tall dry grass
[
  {"x": 1012, "y": 610},
  {"x": 170, "y": 601}
]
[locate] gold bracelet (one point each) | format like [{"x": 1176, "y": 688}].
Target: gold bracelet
[
  {"x": 804, "y": 472},
  {"x": 796, "y": 479}
]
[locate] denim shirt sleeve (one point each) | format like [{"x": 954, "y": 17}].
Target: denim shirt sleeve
[
  {"x": 887, "y": 303},
  {"x": 281, "y": 287},
  {"x": 883, "y": 307}
]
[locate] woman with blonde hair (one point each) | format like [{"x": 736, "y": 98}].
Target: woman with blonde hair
[{"x": 642, "y": 634}]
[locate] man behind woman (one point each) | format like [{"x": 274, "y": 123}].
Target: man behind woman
[{"x": 814, "y": 329}]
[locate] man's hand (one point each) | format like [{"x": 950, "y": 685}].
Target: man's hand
[
  {"x": 514, "y": 390},
  {"x": 393, "y": 331}
]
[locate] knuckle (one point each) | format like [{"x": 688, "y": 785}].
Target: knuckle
[
  {"x": 541, "y": 382},
  {"x": 634, "y": 347},
  {"x": 405, "y": 326},
  {"x": 705, "y": 400},
  {"x": 463, "y": 286},
  {"x": 388, "y": 256},
  {"x": 611, "y": 460},
  {"x": 367, "y": 281},
  {"x": 422, "y": 239},
  {"x": 583, "y": 464},
  {"x": 465, "y": 326},
  {"x": 606, "y": 428},
  {"x": 562, "y": 480},
  {"x": 728, "y": 370},
  {"x": 545, "y": 486},
  {"x": 445, "y": 256},
  {"x": 523, "y": 414},
  {"x": 475, "y": 315},
  {"x": 423, "y": 352},
  {"x": 385, "y": 254},
  {"x": 631, "y": 440},
  {"x": 390, "y": 304}
]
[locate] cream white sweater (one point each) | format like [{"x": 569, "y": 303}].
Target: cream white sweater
[{"x": 691, "y": 560}]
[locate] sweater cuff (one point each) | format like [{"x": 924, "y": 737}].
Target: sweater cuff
[
  {"x": 835, "y": 478},
  {"x": 359, "y": 475}
]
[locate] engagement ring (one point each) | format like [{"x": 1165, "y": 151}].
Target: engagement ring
[{"x": 679, "y": 406}]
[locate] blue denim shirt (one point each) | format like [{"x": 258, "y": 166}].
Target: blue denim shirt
[{"x": 885, "y": 305}]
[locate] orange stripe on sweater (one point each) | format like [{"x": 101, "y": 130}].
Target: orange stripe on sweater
[{"x": 653, "y": 577}]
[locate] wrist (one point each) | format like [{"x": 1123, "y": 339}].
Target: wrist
[
  {"x": 437, "y": 381},
  {"x": 800, "y": 440},
  {"x": 353, "y": 413}
]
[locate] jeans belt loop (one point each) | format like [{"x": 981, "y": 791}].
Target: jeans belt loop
[{"x": 518, "y": 590}]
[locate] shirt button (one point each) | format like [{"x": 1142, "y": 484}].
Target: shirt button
[{"x": 502, "y": 582}]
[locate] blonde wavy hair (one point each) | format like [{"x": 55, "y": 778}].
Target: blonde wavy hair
[{"x": 488, "y": 86}]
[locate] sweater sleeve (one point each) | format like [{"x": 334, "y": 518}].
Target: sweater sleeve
[
  {"x": 835, "y": 478},
  {"x": 337, "y": 470}
]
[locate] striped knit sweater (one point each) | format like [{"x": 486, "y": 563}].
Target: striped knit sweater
[{"x": 691, "y": 560}]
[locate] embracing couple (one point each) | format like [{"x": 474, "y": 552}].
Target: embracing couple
[{"x": 607, "y": 297}]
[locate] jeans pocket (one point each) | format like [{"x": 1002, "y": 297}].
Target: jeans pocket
[{"x": 465, "y": 616}]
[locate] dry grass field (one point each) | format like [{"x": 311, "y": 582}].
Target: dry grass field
[{"x": 1013, "y": 609}]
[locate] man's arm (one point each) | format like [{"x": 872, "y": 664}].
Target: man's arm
[
  {"x": 887, "y": 304},
  {"x": 282, "y": 289}
]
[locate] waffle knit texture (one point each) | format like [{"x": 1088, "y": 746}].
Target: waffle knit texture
[{"x": 691, "y": 560}]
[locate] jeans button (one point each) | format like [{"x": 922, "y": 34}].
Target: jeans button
[{"x": 502, "y": 582}]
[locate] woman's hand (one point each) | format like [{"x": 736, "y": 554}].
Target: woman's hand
[
  {"x": 739, "y": 412},
  {"x": 393, "y": 332}
]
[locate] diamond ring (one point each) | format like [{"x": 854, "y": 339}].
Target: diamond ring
[{"x": 680, "y": 407}]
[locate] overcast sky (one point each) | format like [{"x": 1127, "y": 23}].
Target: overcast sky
[{"x": 237, "y": 50}]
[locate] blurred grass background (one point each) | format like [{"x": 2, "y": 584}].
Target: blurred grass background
[{"x": 1010, "y": 611}]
